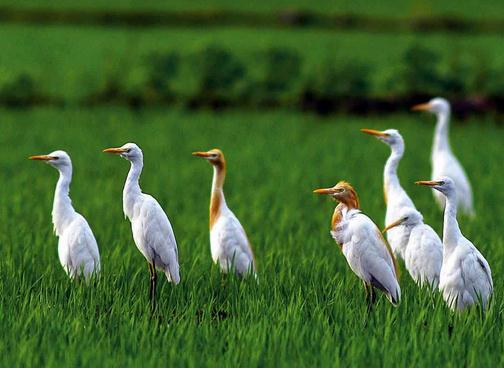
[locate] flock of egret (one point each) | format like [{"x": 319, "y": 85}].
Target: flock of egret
[{"x": 453, "y": 265}]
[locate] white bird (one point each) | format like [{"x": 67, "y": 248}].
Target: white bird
[
  {"x": 363, "y": 245},
  {"x": 152, "y": 231},
  {"x": 229, "y": 244},
  {"x": 77, "y": 248},
  {"x": 465, "y": 277},
  {"x": 423, "y": 256},
  {"x": 396, "y": 197},
  {"x": 444, "y": 162}
]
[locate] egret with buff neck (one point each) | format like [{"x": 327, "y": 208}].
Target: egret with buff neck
[
  {"x": 363, "y": 245},
  {"x": 77, "y": 248},
  {"x": 229, "y": 244}
]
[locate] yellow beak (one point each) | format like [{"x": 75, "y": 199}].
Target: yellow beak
[
  {"x": 422, "y": 107},
  {"x": 42, "y": 158},
  {"x": 394, "y": 224},
  {"x": 115, "y": 150},
  {"x": 202, "y": 154},
  {"x": 325, "y": 191},
  {"x": 373, "y": 132},
  {"x": 429, "y": 183}
]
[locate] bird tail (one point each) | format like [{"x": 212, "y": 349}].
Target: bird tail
[{"x": 172, "y": 273}]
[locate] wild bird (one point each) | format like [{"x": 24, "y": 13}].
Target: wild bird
[
  {"x": 396, "y": 197},
  {"x": 466, "y": 278},
  {"x": 363, "y": 245},
  {"x": 152, "y": 231},
  {"x": 77, "y": 248},
  {"x": 444, "y": 162},
  {"x": 229, "y": 244},
  {"x": 423, "y": 255},
  {"x": 408, "y": 236}
]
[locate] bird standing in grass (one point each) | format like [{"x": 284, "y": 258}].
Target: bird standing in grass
[
  {"x": 396, "y": 197},
  {"x": 363, "y": 245},
  {"x": 444, "y": 162},
  {"x": 77, "y": 248},
  {"x": 229, "y": 244},
  {"x": 465, "y": 278},
  {"x": 423, "y": 255},
  {"x": 152, "y": 231}
]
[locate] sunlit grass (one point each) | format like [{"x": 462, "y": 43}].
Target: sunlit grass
[{"x": 308, "y": 308}]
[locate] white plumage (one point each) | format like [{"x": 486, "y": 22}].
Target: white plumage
[
  {"x": 423, "y": 255},
  {"x": 444, "y": 162},
  {"x": 152, "y": 231},
  {"x": 465, "y": 277},
  {"x": 77, "y": 248},
  {"x": 396, "y": 197},
  {"x": 229, "y": 244},
  {"x": 362, "y": 244}
]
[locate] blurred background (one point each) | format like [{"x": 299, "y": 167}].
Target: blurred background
[{"x": 316, "y": 56}]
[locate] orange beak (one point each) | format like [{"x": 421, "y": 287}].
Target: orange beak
[
  {"x": 42, "y": 158},
  {"x": 325, "y": 191},
  {"x": 429, "y": 183},
  {"x": 202, "y": 154},
  {"x": 115, "y": 150},
  {"x": 376, "y": 133},
  {"x": 394, "y": 224},
  {"x": 422, "y": 107}
]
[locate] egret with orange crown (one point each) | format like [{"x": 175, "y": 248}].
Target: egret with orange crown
[
  {"x": 77, "y": 248},
  {"x": 466, "y": 278},
  {"x": 152, "y": 231},
  {"x": 444, "y": 162},
  {"x": 229, "y": 244},
  {"x": 363, "y": 245}
]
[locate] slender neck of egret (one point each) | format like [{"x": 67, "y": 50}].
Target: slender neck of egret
[
  {"x": 451, "y": 229},
  {"x": 62, "y": 211},
  {"x": 337, "y": 215},
  {"x": 390, "y": 178},
  {"x": 217, "y": 199},
  {"x": 132, "y": 186},
  {"x": 441, "y": 139}
]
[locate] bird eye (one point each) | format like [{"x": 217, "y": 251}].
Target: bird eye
[
  {"x": 55, "y": 157},
  {"x": 128, "y": 150},
  {"x": 441, "y": 182}
]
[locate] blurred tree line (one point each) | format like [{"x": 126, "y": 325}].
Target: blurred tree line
[{"x": 276, "y": 77}]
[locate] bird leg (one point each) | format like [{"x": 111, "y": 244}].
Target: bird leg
[
  {"x": 370, "y": 296},
  {"x": 153, "y": 286}
]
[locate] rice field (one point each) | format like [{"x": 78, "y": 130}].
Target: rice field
[{"x": 307, "y": 309}]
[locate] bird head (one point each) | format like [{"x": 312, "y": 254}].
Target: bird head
[
  {"x": 57, "y": 159},
  {"x": 445, "y": 185},
  {"x": 389, "y": 136},
  {"x": 342, "y": 192},
  {"x": 129, "y": 151},
  {"x": 214, "y": 156},
  {"x": 437, "y": 105},
  {"x": 408, "y": 217}
]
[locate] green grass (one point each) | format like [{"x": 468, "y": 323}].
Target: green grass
[
  {"x": 72, "y": 62},
  {"x": 396, "y": 8},
  {"x": 308, "y": 308}
]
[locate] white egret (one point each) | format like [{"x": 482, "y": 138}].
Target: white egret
[
  {"x": 465, "y": 277},
  {"x": 444, "y": 162},
  {"x": 363, "y": 245},
  {"x": 229, "y": 244},
  {"x": 396, "y": 197},
  {"x": 152, "y": 231},
  {"x": 423, "y": 255},
  {"x": 77, "y": 248}
]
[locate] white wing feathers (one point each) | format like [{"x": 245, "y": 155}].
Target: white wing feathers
[{"x": 153, "y": 235}]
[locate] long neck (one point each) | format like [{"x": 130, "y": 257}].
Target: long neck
[
  {"x": 390, "y": 178},
  {"x": 337, "y": 215},
  {"x": 63, "y": 211},
  {"x": 451, "y": 230},
  {"x": 132, "y": 187},
  {"x": 441, "y": 139},
  {"x": 217, "y": 200}
]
